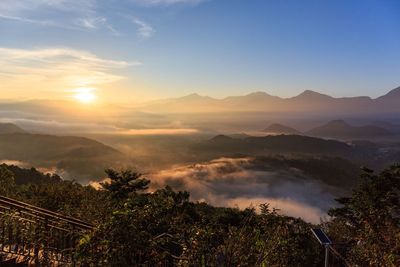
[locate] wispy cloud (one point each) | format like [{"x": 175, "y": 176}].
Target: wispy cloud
[
  {"x": 16, "y": 6},
  {"x": 144, "y": 29},
  {"x": 69, "y": 14},
  {"x": 167, "y": 2},
  {"x": 92, "y": 22},
  {"x": 56, "y": 67},
  {"x": 34, "y": 21},
  {"x": 87, "y": 15}
]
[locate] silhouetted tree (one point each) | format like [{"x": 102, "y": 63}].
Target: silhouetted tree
[{"x": 124, "y": 183}]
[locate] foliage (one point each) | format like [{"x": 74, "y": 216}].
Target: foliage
[
  {"x": 369, "y": 221},
  {"x": 165, "y": 227},
  {"x": 69, "y": 198},
  {"x": 7, "y": 181},
  {"x": 124, "y": 183},
  {"x": 31, "y": 176},
  {"x": 140, "y": 228}
]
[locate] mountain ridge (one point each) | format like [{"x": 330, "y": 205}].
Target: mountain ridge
[
  {"x": 307, "y": 101},
  {"x": 341, "y": 129},
  {"x": 277, "y": 128}
]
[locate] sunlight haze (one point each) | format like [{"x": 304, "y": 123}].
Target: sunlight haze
[{"x": 145, "y": 50}]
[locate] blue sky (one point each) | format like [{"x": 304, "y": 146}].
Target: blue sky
[{"x": 145, "y": 49}]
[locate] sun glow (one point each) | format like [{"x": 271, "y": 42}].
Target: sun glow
[{"x": 85, "y": 95}]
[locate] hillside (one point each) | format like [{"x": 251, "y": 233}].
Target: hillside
[
  {"x": 277, "y": 128},
  {"x": 30, "y": 176},
  {"x": 222, "y": 145},
  {"x": 75, "y": 157},
  {"x": 9, "y": 128},
  {"x": 341, "y": 129}
]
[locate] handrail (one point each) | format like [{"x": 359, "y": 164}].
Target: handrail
[
  {"x": 39, "y": 234},
  {"x": 28, "y": 207}
]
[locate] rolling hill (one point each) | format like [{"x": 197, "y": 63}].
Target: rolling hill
[
  {"x": 341, "y": 129},
  {"x": 10, "y": 128},
  {"x": 277, "y": 128},
  {"x": 74, "y": 157},
  {"x": 274, "y": 144}
]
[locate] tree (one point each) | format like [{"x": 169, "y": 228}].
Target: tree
[
  {"x": 146, "y": 231},
  {"x": 7, "y": 182},
  {"x": 123, "y": 184},
  {"x": 369, "y": 220}
]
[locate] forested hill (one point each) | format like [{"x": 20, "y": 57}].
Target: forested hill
[
  {"x": 76, "y": 156},
  {"x": 30, "y": 176},
  {"x": 276, "y": 144}
]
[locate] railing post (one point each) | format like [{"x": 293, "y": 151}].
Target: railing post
[
  {"x": 73, "y": 244},
  {"x": 326, "y": 255},
  {"x": 46, "y": 233},
  {"x": 36, "y": 244}
]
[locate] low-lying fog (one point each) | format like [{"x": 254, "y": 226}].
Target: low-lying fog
[{"x": 238, "y": 183}]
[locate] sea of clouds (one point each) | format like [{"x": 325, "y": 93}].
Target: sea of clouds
[{"x": 239, "y": 183}]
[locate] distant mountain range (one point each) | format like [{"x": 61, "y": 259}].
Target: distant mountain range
[{"x": 308, "y": 101}]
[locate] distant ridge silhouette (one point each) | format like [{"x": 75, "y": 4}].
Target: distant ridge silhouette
[
  {"x": 277, "y": 128},
  {"x": 307, "y": 101},
  {"x": 341, "y": 129}
]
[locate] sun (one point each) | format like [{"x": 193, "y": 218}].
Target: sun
[{"x": 85, "y": 95}]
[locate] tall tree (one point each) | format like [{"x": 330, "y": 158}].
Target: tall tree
[{"x": 122, "y": 184}]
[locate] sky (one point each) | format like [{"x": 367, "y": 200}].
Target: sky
[{"x": 140, "y": 50}]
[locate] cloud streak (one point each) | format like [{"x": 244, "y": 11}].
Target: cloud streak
[
  {"x": 88, "y": 15},
  {"x": 167, "y": 2},
  {"x": 67, "y": 14},
  {"x": 144, "y": 29},
  {"x": 26, "y": 20},
  {"x": 56, "y": 67}
]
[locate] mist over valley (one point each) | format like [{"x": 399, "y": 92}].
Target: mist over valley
[{"x": 240, "y": 155}]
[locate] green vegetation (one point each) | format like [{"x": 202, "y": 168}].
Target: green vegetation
[
  {"x": 369, "y": 220},
  {"x": 140, "y": 228}
]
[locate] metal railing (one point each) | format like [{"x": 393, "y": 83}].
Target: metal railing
[{"x": 39, "y": 236}]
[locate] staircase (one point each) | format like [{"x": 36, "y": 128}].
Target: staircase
[{"x": 32, "y": 236}]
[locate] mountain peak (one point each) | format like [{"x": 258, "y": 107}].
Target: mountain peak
[
  {"x": 312, "y": 94},
  {"x": 194, "y": 96},
  {"x": 393, "y": 93},
  {"x": 277, "y": 128},
  {"x": 258, "y": 93}
]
